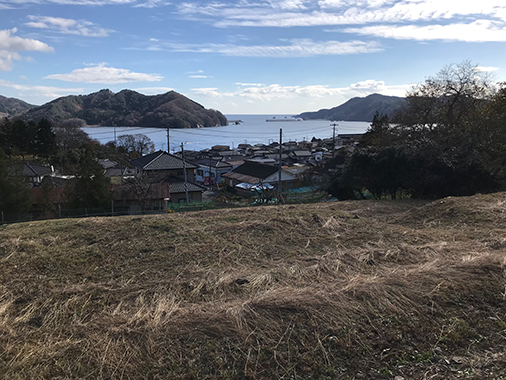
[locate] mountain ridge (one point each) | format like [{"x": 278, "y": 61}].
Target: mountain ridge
[
  {"x": 127, "y": 108},
  {"x": 358, "y": 108},
  {"x": 11, "y": 106}
]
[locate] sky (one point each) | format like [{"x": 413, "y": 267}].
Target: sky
[{"x": 243, "y": 56}]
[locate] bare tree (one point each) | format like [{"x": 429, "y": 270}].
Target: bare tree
[
  {"x": 451, "y": 99},
  {"x": 135, "y": 145}
]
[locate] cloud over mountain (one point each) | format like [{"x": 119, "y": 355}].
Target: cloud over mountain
[{"x": 106, "y": 75}]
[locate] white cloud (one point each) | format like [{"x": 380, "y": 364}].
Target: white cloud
[
  {"x": 198, "y": 76},
  {"x": 153, "y": 90},
  {"x": 477, "y": 31},
  {"x": 289, "y": 4},
  {"x": 92, "y": 2},
  {"x": 473, "y": 21},
  {"x": 9, "y": 4},
  {"x": 368, "y": 86},
  {"x": 211, "y": 9},
  {"x": 277, "y": 92},
  {"x": 41, "y": 91},
  {"x": 106, "y": 75},
  {"x": 68, "y": 26},
  {"x": 14, "y": 3},
  {"x": 10, "y": 46},
  {"x": 249, "y": 84},
  {"x": 486, "y": 69},
  {"x": 152, "y": 4},
  {"x": 12, "y": 43},
  {"x": 296, "y": 48}
]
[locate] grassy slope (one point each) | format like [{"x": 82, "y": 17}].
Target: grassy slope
[{"x": 337, "y": 290}]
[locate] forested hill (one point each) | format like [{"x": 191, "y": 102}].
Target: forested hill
[
  {"x": 11, "y": 106},
  {"x": 128, "y": 108},
  {"x": 358, "y": 109}
]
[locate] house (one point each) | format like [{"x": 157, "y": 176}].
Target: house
[
  {"x": 138, "y": 197},
  {"x": 254, "y": 173},
  {"x": 52, "y": 192},
  {"x": 35, "y": 173},
  {"x": 162, "y": 167},
  {"x": 301, "y": 155},
  {"x": 118, "y": 174},
  {"x": 162, "y": 164},
  {"x": 210, "y": 171}
]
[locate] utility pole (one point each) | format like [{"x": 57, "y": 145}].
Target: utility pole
[
  {"x": 334, "y": 138},
  {"x": 114, "y": 125},
  {"x": 168, "y": 140},
  {"x": 185, "y": 178},
  {"x": 280, "y": 159}
]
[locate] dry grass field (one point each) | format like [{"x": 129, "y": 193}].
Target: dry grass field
[{"x": 345, "y": 290}]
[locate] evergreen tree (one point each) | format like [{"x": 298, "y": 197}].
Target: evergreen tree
[
  {"x": 22, "y": 135},
  {"x": 448, "y": 139},
  {"x": 6, "y": 136},
  {"x": 91, "y": 189},
  {"x": 15, "y": 196},
  {"x": 45, "y": 139}
]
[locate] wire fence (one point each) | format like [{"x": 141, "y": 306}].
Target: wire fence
[
  {"x": 59, "y": 212},
  {"x": 306, "y": 195}
]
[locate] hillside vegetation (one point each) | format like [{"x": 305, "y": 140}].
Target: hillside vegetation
[
  {"x": 12, "y": 106},
  {"x": 359, "y": 109},
  {"x": 128, "y": 108},
  {"x": 346, "y": 290}
]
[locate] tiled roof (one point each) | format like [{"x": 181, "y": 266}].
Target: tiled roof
[
  {"x": 31, "y": 169},
  {"x": 126, "y": 192},
  {"x": 160, "y": 161},
  {"x": 107, "y": 164},
  {"x": 212, "y": 163},
  {"x": 176, "y": 185},
  {"x": 257, "y": 170},
  {"x": 302, "y": 153}
]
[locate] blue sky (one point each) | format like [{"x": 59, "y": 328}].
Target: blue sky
[{"x": 244, "y": 56}]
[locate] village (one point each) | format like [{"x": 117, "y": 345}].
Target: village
[{"x": 188, "y": 180}]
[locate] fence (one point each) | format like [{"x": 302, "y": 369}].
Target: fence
[
  {"x": 306, "y": 195},
  {"x": 60, "y": 213}
]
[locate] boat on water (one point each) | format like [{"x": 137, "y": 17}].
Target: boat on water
[{"x": 286, "y": 118}]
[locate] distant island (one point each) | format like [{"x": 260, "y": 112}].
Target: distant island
[
  {"x": 358, "y": 109},
  {"x": 127, "y": 108}
]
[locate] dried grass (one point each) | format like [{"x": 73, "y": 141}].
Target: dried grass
[{"x": 312, "y": 291}]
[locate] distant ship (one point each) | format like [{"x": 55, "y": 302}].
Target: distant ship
[{"x": 286, "y": 118}]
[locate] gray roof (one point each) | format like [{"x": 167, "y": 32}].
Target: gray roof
[
  {"x": 106, "y": 163},
  {"x": 251, "y": 172},
  {"x": 160, "y": 161},
  {"x": 229, "y": 153},
  {"x": 302, "y": 153},
  {"x": 212, "y": 163},
  {"x": 119, "y": 171},
  {"x": 176, "y": 185},
  {"x": 31, "y": 170}
]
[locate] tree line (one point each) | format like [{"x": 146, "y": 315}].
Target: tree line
[
  {"x": 448, "y": 139},
  {"x": 70, "y": 151}
]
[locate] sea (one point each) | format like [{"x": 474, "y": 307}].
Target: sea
[{"x": 252, "y": 129}]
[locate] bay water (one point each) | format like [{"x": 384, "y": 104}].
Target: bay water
[{"x": 253, "y": 129}]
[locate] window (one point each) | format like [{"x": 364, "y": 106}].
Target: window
[{"x": 199, "y": 172}]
